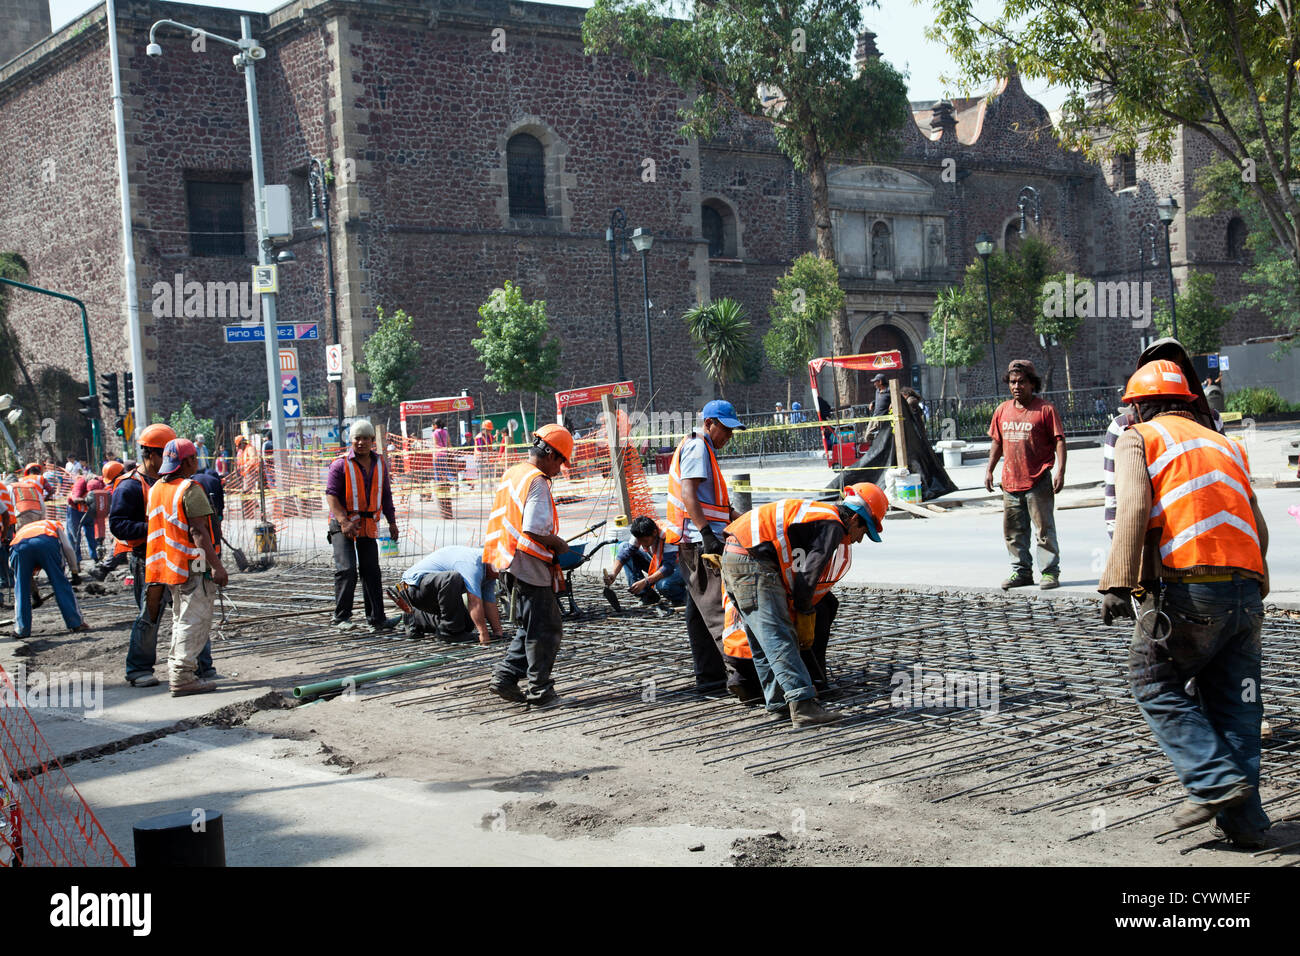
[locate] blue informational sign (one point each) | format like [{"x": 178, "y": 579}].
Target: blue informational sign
[
  {"x": 292, "y": 409},
  {"x": 283, "y": 333},
  {"x": 1213, "y": 360},
  {"x": 364, "y": 396},
  {"x": 289, "y": 386}
]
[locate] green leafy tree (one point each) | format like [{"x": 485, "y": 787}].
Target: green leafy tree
[
  {"x": 723, "y": 337},
  {"x": 186, "y": 424},
  {"x": 392, "y": 355},
  {"x": 516, "y": 351},
  {"x": 1142, "y": 71},
  {"x": 783, "y": 62},
  {"x": 806, "y": 300},
  {"x": 1200, "y": 318},
  {"x": 1058, "y": 330},
  {"x": 956, "y": 335}
]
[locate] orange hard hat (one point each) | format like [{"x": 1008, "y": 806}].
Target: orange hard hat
[
  {"x": 487, "y": 425},
  {"x": 557, "y": 437},
  {"x": 1159, "y": 379},
  {"x": 240, "y": 440},
  {"x": 112, "y": 469},
  {"x": 870, "y": 503},
  {"x": 156, "y": 435},
  {"x": 32, "y": 468}
]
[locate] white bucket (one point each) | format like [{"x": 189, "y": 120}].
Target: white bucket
[{"x": 909, "y": 488}]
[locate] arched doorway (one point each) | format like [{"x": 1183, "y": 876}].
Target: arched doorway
[{"x": 885, "y": 338}]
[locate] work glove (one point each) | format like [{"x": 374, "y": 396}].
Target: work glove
[
  {"x": 1116, "y": 603},
  {"x": 709, "y": 543},
  {"x": 805, "y": 626}
]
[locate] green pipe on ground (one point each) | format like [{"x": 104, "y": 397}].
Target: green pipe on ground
[{"x": 356, "y": 680}]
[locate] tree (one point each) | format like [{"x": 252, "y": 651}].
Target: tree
[
  {"x": 1142, "y": 71},
  {"x": 1200, "y": 318},
  {"x": 723, "y": 337},
  {"x": 186, "y": 424},
  {"x": 783, "y": 62},
  {"x": 392, "y": 355},
  {"x": 806, "y": 300},
  {"x": 954, "y": 341},
  {"x": 1057, "y": 330},
  {"x": 515, "y": 350}
]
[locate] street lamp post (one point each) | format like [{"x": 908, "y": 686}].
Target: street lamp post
[
  {"x": 1166, "y": 209},
  {"x": 320, "y": 219},
  {"x": 1028, "y": 197},
  {"x": 1146, "y": 236},
  {"x": 615, "y": 235},
  {"x": 249, "y": 53},
  {"x": 642, "y": 240},
  {"x": 984, "y": 246}
]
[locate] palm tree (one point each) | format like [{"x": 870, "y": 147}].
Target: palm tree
[{"x": 722, "y": 333}]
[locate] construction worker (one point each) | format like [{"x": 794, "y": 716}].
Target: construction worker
[
  {"x": 649, "y": 560},
  {"x": 1190, "y": 544},
  {"x": 183, "y": 558},
  {"x": 358, "y": 490},
  {"x": 523, "y": 538},
  {"x": 6, "y": 532},
  {"x": 43, "y": 544},
  {"x": 699, "y": 509},
  {"x": 129, "y": 521},
  {"x": 451, "y": 594},
  {"x": 781, "y": 559},
  {"x": 29, "y": 494}
]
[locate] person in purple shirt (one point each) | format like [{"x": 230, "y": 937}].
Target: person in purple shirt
[{"x": 353, "y": 527}]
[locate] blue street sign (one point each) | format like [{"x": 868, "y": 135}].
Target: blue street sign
[
  {"x": 283, "y": 333},
  {"x": 291, "y": 407},
  {"x": 364, "y": 396},
  {"x": 290, "y": 385},
  {"x": 1213, "y": 361}
]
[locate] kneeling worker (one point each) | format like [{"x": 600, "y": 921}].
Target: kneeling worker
[
  {"x": 522, "y": 538},
  {"x": 451, "y": 594},
  {"x": 650, "y": 562},
  {"x": 780, "y": 560}
]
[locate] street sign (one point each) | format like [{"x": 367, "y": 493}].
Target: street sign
[
  {"x": 1223, "y": 363},
  {"x": 291, "y": 396},
  {"x": 1212, "y": 361},
  {"x": 334, "y": 363},
  {"x": 283, "y": 333},
  {"x": 266, "y": 280},
  {"x": 364, "y": 396},
  {"x": 292, "y": 409}
]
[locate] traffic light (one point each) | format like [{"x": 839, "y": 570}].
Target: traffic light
[
  {"x": 128, "y": 390},
  {"x": 119, "y": 427},
  {"x": 108, "y": 385},
  {"x": 89, "y": 405}
]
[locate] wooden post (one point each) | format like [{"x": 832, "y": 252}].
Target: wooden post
[
  {"x": 900, "y": 439},
  {"x": 616, "y": 454}
]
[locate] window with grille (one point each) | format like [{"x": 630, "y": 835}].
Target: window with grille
[
  {"x": 216, "y": 218},
  {"x": 525, "y": 162},
  {"x": 1236, "y": 239}
]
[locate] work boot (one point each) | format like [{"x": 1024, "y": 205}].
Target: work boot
[
  {"x": 1018, "y": 580},
  {"x": 548, "y": 698},
  {"x": 809, "y": 713},
  {"x": 508, "y": 691},
  {"x": 1191, "y": 814},
  {"x": 1049, "y": 582},
  {"x": 143, "y": 680},
  {"x": 1247, "y": 838},
  {"x": 195, "y": 686}
]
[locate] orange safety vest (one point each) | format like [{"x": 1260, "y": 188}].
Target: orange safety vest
[
  {"x": 667, "y": 535},
  {"x": 734, "y": 641},
  {"x": 124, "y": 547},
  {"x": 355, "y": 499},
  {"x": 169, "y": 549},
  {"x": 1200, "y": 497},
  {"x": 6, "y": 499},
  {"x": 504, "y": 531},
  {"x": 718, "y": 511},
  {"x": 37, "y": 528},
  {"x": 28, "y": 495}
]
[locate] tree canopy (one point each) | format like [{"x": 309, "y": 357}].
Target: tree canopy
[
  {"x": 392, "y": 355},
  {"x": 516, "y": 349}
]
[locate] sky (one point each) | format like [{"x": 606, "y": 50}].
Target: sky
[{"x": 899, "y": 25}]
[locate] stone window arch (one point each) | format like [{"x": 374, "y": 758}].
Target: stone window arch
[
  {"x": 1236, "y": 239},
  {"x": 533, "y": 187},
  {"x": 1011, "y": 236},
  {"x": 720, "y": 228},
  {"x": 526, "y": 175}
]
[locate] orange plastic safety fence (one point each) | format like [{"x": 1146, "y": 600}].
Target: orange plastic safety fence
[{"x": 43, "y": 819}]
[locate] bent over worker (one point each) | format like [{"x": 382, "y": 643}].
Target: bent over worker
[
  {"x": 1190, "y": 543},
  {"x": 43, "y": 544},
  {"x": 780, "y": 560},
  {"x": 451, "y": 594},
  {"x": 522, "y": 538},
  {"x": 699, "y": 509},
  {"x": 358, "y": 491}
]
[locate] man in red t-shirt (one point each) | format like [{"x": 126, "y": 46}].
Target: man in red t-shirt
[{"x": 1028, "y": 437}]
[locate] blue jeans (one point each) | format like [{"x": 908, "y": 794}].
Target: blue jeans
[
  {"x": 764, "y": 606},
  {"x": 79, "y": 522},
  {"x": 142, "y": 652},
  {"x": 1211, "y": 632},
  {"x": 25, "y": 557},
  {"x": 636, "y": 565}
]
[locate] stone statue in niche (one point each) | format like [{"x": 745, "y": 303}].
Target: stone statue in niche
[
  {"x": 935, "y": 256},
  {"x": 880, "y": 253}
]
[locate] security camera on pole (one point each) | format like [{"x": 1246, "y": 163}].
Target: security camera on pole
[{"x": 249, "y": 53}]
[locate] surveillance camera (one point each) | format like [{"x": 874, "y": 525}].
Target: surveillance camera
[{"x": 153, "y": 49}]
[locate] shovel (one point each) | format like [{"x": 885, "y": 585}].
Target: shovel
[{"x": 241, "y": 560}]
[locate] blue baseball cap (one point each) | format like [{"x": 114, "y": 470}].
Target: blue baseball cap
[{"x": 724, "y": 412}]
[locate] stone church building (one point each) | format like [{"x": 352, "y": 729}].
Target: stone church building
[{"x": 472, "y": 141}]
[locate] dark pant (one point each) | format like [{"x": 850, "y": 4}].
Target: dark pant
[
  {"x": 439, "y": 602},
  {"x": 704, "y": 618},
  {"x": 637, "y": 566},
  {"x": 79, "y": 523},
  {"x": 135, "y": 567},
  {"x": 142, "y": 649},
  {"x": 1019, "y": 508},
  {"x": 1211, "y": 632},
  {"x": 538, "y": 629},
  {"x": 350, "y": 557}
]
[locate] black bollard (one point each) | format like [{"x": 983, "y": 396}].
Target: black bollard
[
  {"x": 741, "y": 500},
  {"x": 187, "y": 838}
]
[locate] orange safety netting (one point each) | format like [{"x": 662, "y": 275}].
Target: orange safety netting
[{"x": 44, "y": 821}]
